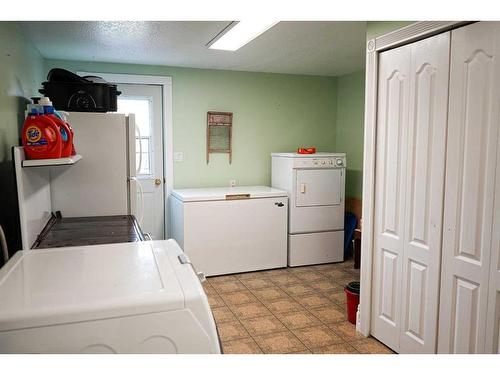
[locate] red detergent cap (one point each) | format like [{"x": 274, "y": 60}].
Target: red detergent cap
[{"x": 306, "y": 150}]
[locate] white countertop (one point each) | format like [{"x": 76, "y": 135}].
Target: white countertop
[{"x": 221, "y": 193}]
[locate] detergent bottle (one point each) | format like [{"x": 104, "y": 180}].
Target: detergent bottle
[
  {"x": 41, "y": 137},
  {"x": 65, "y": 130},
  {"x": 64, "y": 116}
]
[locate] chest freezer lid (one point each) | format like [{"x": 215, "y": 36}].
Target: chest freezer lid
[
  {"x": 63, "y": 285},
  {"x": 224, "y": 193},
  {"x": 316, "y": 155}
]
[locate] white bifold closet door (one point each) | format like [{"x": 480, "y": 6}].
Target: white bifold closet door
[
  {"x": 409, "y": 183},
  {"x": 469, "y": 309},
  {"x": 493, "y": 315}
]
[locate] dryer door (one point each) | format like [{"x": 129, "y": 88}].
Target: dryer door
[{"x": 318, "y": 187}]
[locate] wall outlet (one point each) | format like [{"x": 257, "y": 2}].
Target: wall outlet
[
  {"x": 232, "y": 183},
  {"x": 178, "y": 156}
]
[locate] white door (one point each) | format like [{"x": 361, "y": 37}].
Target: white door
[
  {"x": 319, "y": 187},
  {"x": 145, "y": 101},
  {"x": 493, "y": 317},
  {"x": 470, "y": 192},
  {"x": 411, "y": 134},
  {"x": 426, "y": 149},
  {"x": 390, "y": 194}
]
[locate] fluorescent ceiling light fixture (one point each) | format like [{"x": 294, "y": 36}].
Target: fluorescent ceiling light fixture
[{"x": 241, "y": 33}]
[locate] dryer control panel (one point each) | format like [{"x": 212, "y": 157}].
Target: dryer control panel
[{"x": 321, "y": 162}]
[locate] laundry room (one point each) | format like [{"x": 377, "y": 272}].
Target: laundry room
[
  {"x": 195, "y": 192},
  {"x": 261, "y": 186}
]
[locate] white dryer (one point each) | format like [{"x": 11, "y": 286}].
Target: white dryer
[
  {"x": 136, "y": 297},
  {"x": 315, "y": 185}
]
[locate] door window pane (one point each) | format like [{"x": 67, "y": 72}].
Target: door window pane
[{"x": 142, "y": 108}]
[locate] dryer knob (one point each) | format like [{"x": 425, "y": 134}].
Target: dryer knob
[{"x": 339, "y": 162}]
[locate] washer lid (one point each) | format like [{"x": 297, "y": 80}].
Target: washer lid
[
  {"x": 227, "y": 193},
  {"x": 62, "y": 285},
  {"x": 316, "y": 155}
]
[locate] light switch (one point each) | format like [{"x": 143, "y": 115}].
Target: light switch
[{"x": 178, "y": 156}]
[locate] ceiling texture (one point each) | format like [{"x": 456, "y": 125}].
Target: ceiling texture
[{"x": 311, "y": 48}]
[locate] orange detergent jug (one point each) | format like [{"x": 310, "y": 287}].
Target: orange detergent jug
[
  {"x": 66, "y": 134},
  {"x": 41, "y": 137},
  {"x": 64, "y": 117},
  {"x": 64, "y": 128}
]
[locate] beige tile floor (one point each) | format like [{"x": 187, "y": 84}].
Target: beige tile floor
[{"x": 287, "y": 310}]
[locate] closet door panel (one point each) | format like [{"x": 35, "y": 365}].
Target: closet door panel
[
  {"x": 390, "y": 194},
  {"x": 493, "y": 319},
  {"x": 493, "y": 323},
  {"x": 470, "y": 173},
  {"x": 427, "y": 123}
]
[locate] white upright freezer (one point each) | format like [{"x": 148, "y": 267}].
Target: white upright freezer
[
  {"x": 103, "y": 182},
  {"x": 140, "y": 297},
  {"x": 229, "y": 230}
]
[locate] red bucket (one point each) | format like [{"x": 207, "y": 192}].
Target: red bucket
[{"x": 352, "y": 300}]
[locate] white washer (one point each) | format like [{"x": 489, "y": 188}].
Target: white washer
[
  {"x": 141, "y": 297},
  {"x": 315, "y": 185}
]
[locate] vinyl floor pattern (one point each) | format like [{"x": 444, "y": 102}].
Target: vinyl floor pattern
[{"x": 287, "y": 310}]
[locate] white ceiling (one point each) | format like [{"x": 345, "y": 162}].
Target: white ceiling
[{"x": 316, "y": 48}]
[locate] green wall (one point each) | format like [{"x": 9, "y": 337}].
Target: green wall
[
  {"x": 349, "y": 128},
  {"x": 272, "y": 113},
  {"x": 350, "y": 113},
  {"x": 20, "y": 76},
  {"x": 21, "y": 70},
  {"x": 378, "y": 28}
]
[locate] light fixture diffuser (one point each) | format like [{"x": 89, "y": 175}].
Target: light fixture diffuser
[{"x": 242, "y": 33}]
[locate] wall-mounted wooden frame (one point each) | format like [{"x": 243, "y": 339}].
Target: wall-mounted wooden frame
[
  {"x": 405, "y": 35},
  {"x": 219, "y": 134}
]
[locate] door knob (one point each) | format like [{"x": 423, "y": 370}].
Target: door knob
[{"x": 157, "y": 181}]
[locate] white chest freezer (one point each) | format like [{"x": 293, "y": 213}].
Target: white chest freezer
[
  {"x": 229, "y": 230},
  {"x": 118, "y": 298}
]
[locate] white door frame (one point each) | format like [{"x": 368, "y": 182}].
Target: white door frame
[
  {"x": 168, "y": 145},
  {"x": 405, "y": 35}
]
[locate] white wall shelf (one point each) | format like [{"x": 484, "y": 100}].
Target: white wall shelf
[{"x": 51, "y": 162}]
